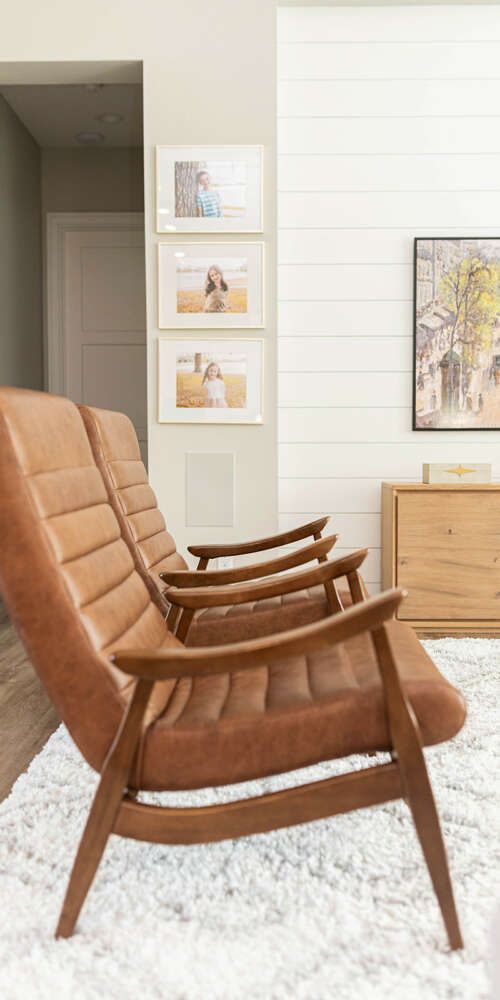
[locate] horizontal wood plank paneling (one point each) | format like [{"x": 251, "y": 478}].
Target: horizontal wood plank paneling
[
  {"x": 360, "y": 245},
  {"x": 341, "y": 388},
  {"x": 322, "y": 282},
  {"x": 344, "y": 496},
  {"x": 389, "y": 129},
  {"x": 477, "y": 22},
  {"x": 364, "y": 61},
  {"x": 348, "y": 526},
  {"x": 341, "y": 354},
  {"x": 433, "y": 209},
  {"x": 470, "y": 172},
  {"x": 345, "y": 318},
  {"x": 351, "y": 423},
  {"x": 387, "y": 135},
  {"x": 365, "y": 98},
  {"x": 393, "y": 462}
]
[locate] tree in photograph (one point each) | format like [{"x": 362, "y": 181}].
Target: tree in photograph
[
  {"x": 470, "y": 291},
  {"x": 186, "y": 188},
  {"x": 197, "y": 363}
]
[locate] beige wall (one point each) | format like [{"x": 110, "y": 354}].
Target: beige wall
[
  {"x": 209, "y": 77},
  {"x": 20, "y": 255},
  {"x": 92, "y": 180}
]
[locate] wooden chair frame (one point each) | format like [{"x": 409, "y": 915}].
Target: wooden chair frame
[
  {"x": 115, "y": 808},
  {"x": 311, "y": 529},
  {"x": 203, "y": 579}
]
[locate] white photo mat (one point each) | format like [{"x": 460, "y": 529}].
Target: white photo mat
[
  {"x": 172, "y": 355},
  {"x": 241, "y": 200},
  {"x": 173, "y": 258}
]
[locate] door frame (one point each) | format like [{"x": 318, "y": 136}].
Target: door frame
[{"x": 57, "y": 225}]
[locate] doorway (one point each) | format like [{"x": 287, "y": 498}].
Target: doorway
[
  {"x": 96, "y": 312},
  {"x": 84, "y": 122},
  {"x": 72, "y": 284}
]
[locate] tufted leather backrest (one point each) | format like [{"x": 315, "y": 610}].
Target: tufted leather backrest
[
  {"x": 66, "y": 573},
  {"x": 116, "y": 451}
]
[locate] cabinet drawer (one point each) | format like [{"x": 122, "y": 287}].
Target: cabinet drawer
[{"x": 448, "y": 555}]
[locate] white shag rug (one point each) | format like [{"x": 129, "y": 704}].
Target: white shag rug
[{"x": 341, "y": 909}]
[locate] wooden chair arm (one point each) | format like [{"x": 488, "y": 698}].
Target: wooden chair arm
[
  {"x": 196, "y": 661},
  {"x": 273, "y": 542},
  {"x": 287, "y": 583},
  {"x": 211, "y": 578}
]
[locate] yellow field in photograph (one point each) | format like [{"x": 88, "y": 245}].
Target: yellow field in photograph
[
  {"x": 193, "y": 301},
  {"x": 190, "y": 392}
]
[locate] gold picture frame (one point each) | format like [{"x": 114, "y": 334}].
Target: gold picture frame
[
  {"x": 165, "y": 189},
  {"x": 169, "y": 318},
  {"x": 174, "y": 360}
]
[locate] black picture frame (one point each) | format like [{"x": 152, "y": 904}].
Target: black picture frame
[{"x": 431, "y": 421}]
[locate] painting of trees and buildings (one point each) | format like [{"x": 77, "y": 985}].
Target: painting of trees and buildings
[{"x": 457, "y": 334}]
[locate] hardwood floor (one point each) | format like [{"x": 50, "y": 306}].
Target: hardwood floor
[{"x": 27, "y": 717}]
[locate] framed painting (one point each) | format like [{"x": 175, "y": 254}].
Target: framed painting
[
  {"x": 210, "y": 381},
  {"x": 210, "y": 285},
  {"x": 456, "y": 384},
  {"x": 209, "y": 189}
]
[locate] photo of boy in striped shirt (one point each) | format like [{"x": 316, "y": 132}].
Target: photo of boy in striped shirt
[{"x": 208, "y": 200}]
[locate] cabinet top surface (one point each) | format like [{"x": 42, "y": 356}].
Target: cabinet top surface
[{"x": 443, "y": 486}]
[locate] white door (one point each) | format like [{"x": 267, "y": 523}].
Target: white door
[{"x": 103, "y": 316}]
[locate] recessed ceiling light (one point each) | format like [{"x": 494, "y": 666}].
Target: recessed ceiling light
[
  {"x": 89, "y": 138},
  {"x": 109, "y": 119}
]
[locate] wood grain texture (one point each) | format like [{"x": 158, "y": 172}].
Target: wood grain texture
[
  {"x": 27, "y": 716},
  {"x": 161, "y": 664},
  {"x": 106, "y": 804},
  {"x": 417, "y": 790},
  {"x": 449, "y": 555},
  {"x": 209, "y": 578},
  {"x": 207, "y": 824},
  {"x": 441, "y": 543},
  {"x": 287, "y": 583},
  {"x": 260, "y": 544}
]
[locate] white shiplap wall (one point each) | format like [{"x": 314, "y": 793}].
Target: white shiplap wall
[{"x": 389, "y": 128}]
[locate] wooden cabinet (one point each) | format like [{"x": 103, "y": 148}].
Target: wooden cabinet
[{"x": 442, "y": 544}]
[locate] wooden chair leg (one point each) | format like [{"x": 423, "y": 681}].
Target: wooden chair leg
[
  {"x": 420, "y": 798},
  {"x": 416, "y": 785},
  {"x": 105, "y": 806}
]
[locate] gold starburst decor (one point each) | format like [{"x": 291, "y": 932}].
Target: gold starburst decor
[{"x": 439, "y": 473}]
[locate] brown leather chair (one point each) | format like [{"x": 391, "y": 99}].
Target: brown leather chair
[
  {"x": 117, "y": 454},
  {"x": 148, "y": 713}
]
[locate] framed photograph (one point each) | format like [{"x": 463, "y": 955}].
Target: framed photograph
[
  {"x": 210, "y": 285},
  {"x": 209, "y": 189},
  {"x": 456, "y": 382},
  {"x": 216, "y": 381}
]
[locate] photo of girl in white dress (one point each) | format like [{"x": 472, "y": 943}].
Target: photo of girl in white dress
[
  {"x": 211, "y": 379},
  {"x": 213, "y": 384}
]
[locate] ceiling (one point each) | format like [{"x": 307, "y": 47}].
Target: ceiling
[{"x": 55, "y": 113}]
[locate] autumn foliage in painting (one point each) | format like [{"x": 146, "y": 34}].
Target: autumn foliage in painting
[{"x": 457, "y": 342}]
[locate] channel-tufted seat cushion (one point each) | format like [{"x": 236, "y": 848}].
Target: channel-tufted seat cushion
[
  {"x": 117, "y": 454},
  {"x": 221, "y": 729},
  {"x": 265, "y": 617},
  {"x": 73, "y": 591}
]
